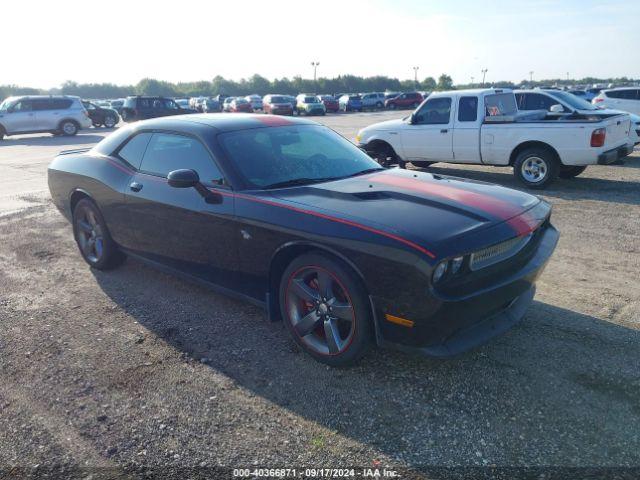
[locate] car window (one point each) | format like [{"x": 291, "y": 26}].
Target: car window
[
  {"x": 468, "y": 109},
  {"x": 60, "y": 103},
  {"x": 40, "y": 104},
  {"x": 436, "y": 111},
  {"x": 537, "y": 101},
  {"x": 622, "y": 94},
  {"x": 269, "y": 156},
  {"x": 133, "y": 151},
  {"x": 500, "y": 104},
  {"x": 170, "y": 104},
  {"x": 167, "y": 152},
  {"x": 23, "y": 106}
]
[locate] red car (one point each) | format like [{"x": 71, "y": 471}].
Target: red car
[
  {"x": 404, "y": 100},
  {"x": 240, "y": 105},
  {"x": 330, "y": 103},
  {"x": 277, "y": 105}
]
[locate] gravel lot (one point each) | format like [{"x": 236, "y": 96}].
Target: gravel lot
[{"x": 132, "y": 368}]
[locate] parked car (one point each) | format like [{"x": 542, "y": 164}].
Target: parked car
[
  {"x": 350, "y": 103},
  {"x": 240, "y": 105},
  {"x": 183, "y": 102},
  {"x": 372, "y": 101},
  {"x": 255, "y": 101},
  {"x": 117, "y": 105},
  {"x": 624, "y": 98},
  {"x": 404, "y": 100},
  {"x": 592, "y": 93},
  {"x": 101, "y": 115},
  {"x": 330, "y": 103},
  {"x": 484, "y": 127},
  {"x": 388, "y": 95},
  {"x": 195, "y": 103},
  {"x": 277, "y": 105},
  {"x": 561, "y": 103},
  {"x": 328, "y": 247},
  {"x": 211, "y": 105},
  {"x": 309, "y": 105},
  {"x": 293, "y": 101},
  {"x": 226, "y": 104},
  {"x": 57, "y": 114},
  {"x": 221, "y": 98},
  {"x": 141, "y": 107}
]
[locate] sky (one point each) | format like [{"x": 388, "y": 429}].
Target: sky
[{"x": 46, "y": 43}]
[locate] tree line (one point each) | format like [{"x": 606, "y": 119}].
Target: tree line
[{"x": 260, "y": 85}]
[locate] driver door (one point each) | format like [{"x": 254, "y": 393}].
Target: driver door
[
  {"x": 20, "y": 117},
  {"x": 430, "y": 135}
]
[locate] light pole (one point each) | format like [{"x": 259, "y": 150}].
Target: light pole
[
  {"x": 315, "y": 84},
  {"x": 415, "y": 76},
  {"x": 484, "y": 73},
  {"x": 472, "y": 80},
  {"x": 531, "y": 76}
]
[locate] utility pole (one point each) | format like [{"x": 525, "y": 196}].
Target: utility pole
[
  {"x": 472, "y": 80},
  {"x": 315, "y": 83},
  {"x": 484, "y": 73},
  {"x": 531, "y": 76},
  {"x": 415, "y": 76}
]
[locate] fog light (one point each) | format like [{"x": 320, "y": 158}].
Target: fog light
[
  {"x": 439, "y": 271},
  {"x": 456, "y": 263}
]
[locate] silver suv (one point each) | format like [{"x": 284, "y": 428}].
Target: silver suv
[{"x": 57, "y": 114}]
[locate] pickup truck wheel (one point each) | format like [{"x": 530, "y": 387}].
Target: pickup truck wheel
[
  {"x": 423, "y": 164},
  {"x": 385, "y": 156},
  {"x": 571, "y": 172},
  {"x": 536, "y": 167}
]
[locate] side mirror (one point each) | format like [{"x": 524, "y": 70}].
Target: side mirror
[
  {"x": 556, "y": 108},
  {"x": 183, "y": 178}
]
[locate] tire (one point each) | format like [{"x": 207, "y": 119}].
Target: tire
[
  {"x": 2, "y": 134},
  {"x": 96, "y": 124},
  {"x": 385, "y": 156},
  {"x": 536, "y": 167},
  {"x": 68, "y": 128},
  {"x": 392, "y": 106},
  {"x": 110, "y": 121},
  {"x": 379, "y": 105},
  {"x": 422, "y": 164},
  {"x": 571, "y": 172},
  {"x": 93, "y": 238},
  {"x": 311, "y": 289}
]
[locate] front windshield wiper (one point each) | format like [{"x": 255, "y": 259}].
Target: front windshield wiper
[
  {"x": 364, "y": 172},
  {"x": 298, "y": 181}
]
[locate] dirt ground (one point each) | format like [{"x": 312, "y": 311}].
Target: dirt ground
[{"x": 132, "y": 368}]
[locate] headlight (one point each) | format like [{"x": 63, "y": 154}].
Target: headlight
[
  {"x": 358, "y": 137},
  {"x": 439, "y": 271}
]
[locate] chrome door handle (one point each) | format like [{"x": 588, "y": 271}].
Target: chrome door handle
[
  {"x": 135, "y": 186},
  {"x": 444, "y": 130}
]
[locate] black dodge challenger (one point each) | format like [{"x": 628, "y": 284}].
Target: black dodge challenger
[{"x": 289, "y": 215}]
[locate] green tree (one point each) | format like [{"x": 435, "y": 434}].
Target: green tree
[{"x": 444, "y": 82}]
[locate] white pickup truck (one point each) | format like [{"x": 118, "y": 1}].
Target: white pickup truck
[{"x": 484, "y": 127}]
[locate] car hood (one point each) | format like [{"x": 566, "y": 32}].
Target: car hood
[
  {"x": 439, "y": 213},
  {"x": 386, "y": 125}
]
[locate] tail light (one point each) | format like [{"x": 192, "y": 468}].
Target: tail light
[
  {"x": 598, "y": 100},
  {"x": 598, "y": 136}
]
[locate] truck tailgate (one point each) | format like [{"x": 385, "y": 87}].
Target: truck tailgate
[{"x": 617, "y": 130}]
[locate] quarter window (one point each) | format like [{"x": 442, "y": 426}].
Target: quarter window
[
  {"x": 134, "y": 149},
  {"x": 436, "y": 111},
  {"x": 167, "y": 152},
  {"x": 468, "y": 111}
]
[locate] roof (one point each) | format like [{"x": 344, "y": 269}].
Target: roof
[
  {"x": 225, "y": 122},
  {"x": 474, "y": 91}
]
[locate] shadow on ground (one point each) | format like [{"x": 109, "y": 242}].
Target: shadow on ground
[{"x": 562, "y": 388}]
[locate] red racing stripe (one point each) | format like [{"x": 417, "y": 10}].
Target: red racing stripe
[{"x": 509, "y": 212}]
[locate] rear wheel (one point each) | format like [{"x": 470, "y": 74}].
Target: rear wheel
[
  {"x": 326, "y": 309},
  {"x": 93, "y": 238},
  {"x": 68, "y": 128},
  {"x": 392, "y": 106},
  {"x": 379, "y": 105},
  {"x": 536, "y": 167},
  {"x": 422, "y": 164},
  {"x": 571, "y": 172}
]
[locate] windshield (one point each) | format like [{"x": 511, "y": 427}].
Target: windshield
[
  {"x": 267, "y": 157},
  {"x": 310, "y": 100},
  {"x": 573, "y": 101},
  {"x": 278, "y": 100},
  {"x": 500, "y": 104},
  {"x": 6, "y": 104}
]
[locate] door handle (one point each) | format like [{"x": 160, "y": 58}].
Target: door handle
[
  {"x": 444, "y": 130},
  {"x": 135, "y": 186}
]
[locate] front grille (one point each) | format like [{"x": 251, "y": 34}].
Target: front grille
[{"x": 498, "y": 252}]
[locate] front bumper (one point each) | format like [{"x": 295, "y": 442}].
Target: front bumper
[
  {"x": 615, "y": 154},
  {"x": 460, "y": 325}
]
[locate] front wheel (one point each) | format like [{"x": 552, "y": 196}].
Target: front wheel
[
  {"x": 326, "y": 309},
  {"x": 571, "y": 172},
  {"x": 93, "y": 238},
  {"x": 536, "y": 167},
  {"x": 110, "y": 121},
  {"x": 422, "y": 164}
]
